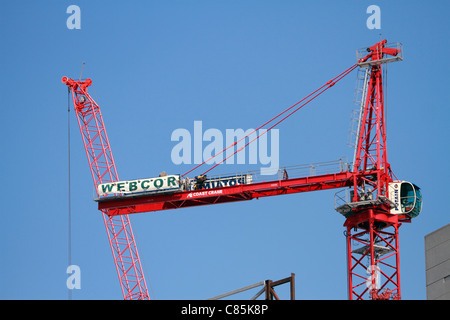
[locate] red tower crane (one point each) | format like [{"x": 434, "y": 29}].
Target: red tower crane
[
  {"x": 376, "y": 205},
  {"x": 103, "y": 169}
]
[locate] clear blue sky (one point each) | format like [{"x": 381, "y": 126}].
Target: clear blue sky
[{"x": 160, "y": 65}]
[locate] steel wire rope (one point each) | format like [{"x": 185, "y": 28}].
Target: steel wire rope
[
  {"x": 257, "y": 137},
  {"x": 315, "y": 94},
  {"x": 327, "y": 85}
]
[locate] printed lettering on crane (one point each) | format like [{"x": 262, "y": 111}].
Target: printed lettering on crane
[
  {"x": 394, "y": 196},
  {"x": 164, "y": 183}
]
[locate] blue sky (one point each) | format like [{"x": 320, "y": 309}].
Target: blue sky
[{"x": 158, "y": 66}]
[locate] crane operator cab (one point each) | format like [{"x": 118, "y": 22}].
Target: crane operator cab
[{"x": 406, "y": 197}]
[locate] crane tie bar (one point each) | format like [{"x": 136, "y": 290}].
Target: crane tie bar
[{"x": 313, "y": 95}]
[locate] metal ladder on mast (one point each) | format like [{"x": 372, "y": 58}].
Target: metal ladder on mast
[{"x": 362, "y": 79}]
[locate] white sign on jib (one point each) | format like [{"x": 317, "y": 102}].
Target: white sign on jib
[{"x": 165, "y": 183}]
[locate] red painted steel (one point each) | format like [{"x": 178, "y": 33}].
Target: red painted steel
[
  {"x": 157, "y": 202},
  {"x": 375, "y": 268},
  {"x": 103, "y": 169}
]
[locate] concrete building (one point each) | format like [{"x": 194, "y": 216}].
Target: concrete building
[{"x": 437, "y": 264}]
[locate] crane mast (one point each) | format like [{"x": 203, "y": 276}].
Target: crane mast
[
  {"x": 103, "y": 169},
  {"x": 371, "y": 228},
  {"x": 376, "y": 207},
  {"x": 371, "y": 154}
]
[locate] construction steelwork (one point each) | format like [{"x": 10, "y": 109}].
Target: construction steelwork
[
  {"x": 375, "y": 203},
  {"x": 268, "y": 289}
]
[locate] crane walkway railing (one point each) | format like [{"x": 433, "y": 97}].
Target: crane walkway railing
[{"x": 289, "y": 172}]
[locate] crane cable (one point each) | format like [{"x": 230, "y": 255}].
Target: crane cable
[
  {"x": 69, "y": 218},
  {"x": 315, "y": 94},
  {"x": 69, "y": 240}
]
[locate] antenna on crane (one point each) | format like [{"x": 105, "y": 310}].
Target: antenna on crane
[{"x": 81, "y": 73}]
